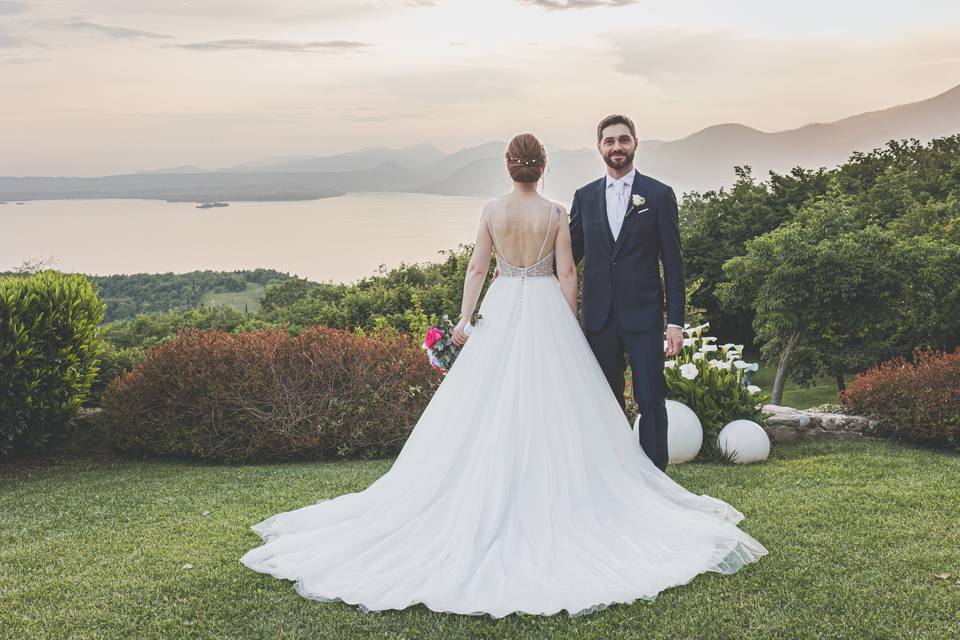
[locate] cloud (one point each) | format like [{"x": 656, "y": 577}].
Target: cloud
[
  {"x": 10, "y": 41},
  {"x": 21, "y": 60},
  {"x": 560, "y": 5},
  {"x": 118, "y": 33},
  {"x": 450, "y": 85},
  {"x": 680, "y": 58},
  {"x": 256, "y": 44},
  {"x": 10, "y": 7}
]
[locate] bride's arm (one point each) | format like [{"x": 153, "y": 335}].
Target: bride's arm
[
  {"x": 473, "y": 281},
  {"x": 566, "y": 267}
]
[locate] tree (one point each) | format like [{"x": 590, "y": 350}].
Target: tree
[
  {"x": 849, "y": 295},
  {"x": 716, "y": 226}
]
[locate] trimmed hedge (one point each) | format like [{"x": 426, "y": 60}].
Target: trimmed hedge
[
  {"x": 325, "y": 393},
  {"x": 915, "y": 401},
  {"x": 49, "y": 346}
]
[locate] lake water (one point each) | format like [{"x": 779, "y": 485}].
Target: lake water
[{"x": 340, "y": 239}]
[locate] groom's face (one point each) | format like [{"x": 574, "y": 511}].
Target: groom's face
[{"x": 617, "y": 146}]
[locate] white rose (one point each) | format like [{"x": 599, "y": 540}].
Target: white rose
[
  {"x": 698, "y": 355},
  {"x": 637, "y": 200},
  {"x": 753, "y": 388},
  {"x": 669, "y": 364},
  {"x": 689, "y": 371},
  {"x": 740, "y": 364}
]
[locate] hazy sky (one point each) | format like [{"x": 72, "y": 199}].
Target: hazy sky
[{"x": 91, "y": 87}]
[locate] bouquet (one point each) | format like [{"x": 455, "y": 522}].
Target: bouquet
[{"x": 439, "y": 345}]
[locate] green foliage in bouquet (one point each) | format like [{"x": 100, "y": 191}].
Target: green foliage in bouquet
[{"x": 714, "y": 381}]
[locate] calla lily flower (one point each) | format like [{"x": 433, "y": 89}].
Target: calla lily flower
[{"x": 689, "y": 371}]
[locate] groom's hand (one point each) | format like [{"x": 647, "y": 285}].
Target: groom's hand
[{"x": 674, "y": 340}]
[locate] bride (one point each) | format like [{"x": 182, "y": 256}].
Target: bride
[{"x": 521, "y": 489}]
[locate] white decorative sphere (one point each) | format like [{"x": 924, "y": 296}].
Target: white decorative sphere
[
  {"x": 684, "y": 432},
  {"x": 746, "y": 439}
]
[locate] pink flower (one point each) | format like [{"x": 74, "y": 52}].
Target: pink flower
[{"x": 432, "y": 336}]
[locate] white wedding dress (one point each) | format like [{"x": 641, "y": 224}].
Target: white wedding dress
[{"x": 520, "y": 489}]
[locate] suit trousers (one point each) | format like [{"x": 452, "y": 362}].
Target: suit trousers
[{"x": 645, "y": 349}]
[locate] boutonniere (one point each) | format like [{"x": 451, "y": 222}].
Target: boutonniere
[{"x": 636, "y": 201}]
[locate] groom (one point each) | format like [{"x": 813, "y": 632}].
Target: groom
[{"x": 623, "y": 225}]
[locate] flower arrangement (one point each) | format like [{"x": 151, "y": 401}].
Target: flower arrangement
[
  {"x": 439, "y": 345},
  {"x": 714, "y": 381}
]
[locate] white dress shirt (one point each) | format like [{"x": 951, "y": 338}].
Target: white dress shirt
[
  {"x": 618, "y": 201},
  {"x": 618, "y": 197}
]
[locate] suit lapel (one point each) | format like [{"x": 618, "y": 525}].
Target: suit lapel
[
  {"x": 628, "y": 223},
  {"x": 602, "y": 208}
]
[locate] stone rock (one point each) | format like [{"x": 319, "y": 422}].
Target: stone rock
[
  {"x": 823, "y": 434},
  {"x": 86, "y": 413},
  {"x": 786, "y": 424},
  {"x": 783, "y": 433}
]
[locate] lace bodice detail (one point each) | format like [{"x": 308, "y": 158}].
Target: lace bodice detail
[{"x": 542, "y": 268}]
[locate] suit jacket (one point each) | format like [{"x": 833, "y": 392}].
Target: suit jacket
[{"x": 626, "y": 271}]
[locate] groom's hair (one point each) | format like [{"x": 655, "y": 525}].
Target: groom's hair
[{"x": 615, "y": 118}]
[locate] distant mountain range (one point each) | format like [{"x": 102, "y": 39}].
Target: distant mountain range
[{"x": 701, "y": 161}]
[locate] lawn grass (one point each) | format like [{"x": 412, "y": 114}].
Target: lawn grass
[
  {"x": 94, "y": 548},
  {"x": 823, "y": 389},
  {"x": 248, "y": 299}
]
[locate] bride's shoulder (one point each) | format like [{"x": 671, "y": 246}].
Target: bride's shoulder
[
  {"x": 555, "y": 207},
  {"x": 493, "y": 204}
]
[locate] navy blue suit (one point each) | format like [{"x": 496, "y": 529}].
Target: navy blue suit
[{"x": 623, "y": 297}]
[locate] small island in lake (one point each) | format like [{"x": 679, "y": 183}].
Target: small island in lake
[{"x": 210, "y": 205}]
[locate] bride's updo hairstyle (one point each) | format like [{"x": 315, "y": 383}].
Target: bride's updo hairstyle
[{"x": 526, "y": 158}]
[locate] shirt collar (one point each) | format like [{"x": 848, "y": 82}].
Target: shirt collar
[{"x": 627, "y": 180}]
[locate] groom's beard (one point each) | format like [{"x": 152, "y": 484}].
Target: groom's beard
[{"x": 621, "y": 161}]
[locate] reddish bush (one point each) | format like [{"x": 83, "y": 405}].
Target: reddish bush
[
  {"x": 269, "y": 395},
  {"x": 918, "y": 401}
]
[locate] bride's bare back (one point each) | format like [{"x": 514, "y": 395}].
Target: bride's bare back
[{"x": 523, "y": 227}]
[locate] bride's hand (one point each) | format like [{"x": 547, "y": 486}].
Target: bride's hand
[{"x": 459, "y": 337}]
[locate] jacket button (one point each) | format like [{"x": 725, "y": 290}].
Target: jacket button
[{"x": 613, "y": 264}]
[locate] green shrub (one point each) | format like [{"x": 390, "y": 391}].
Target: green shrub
[
  {"x": 150, "y": 329},
  {"x": 113, "y": 362},
  {"x": 325, "y": 393},
  {"x": 49, "y": 347}
]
